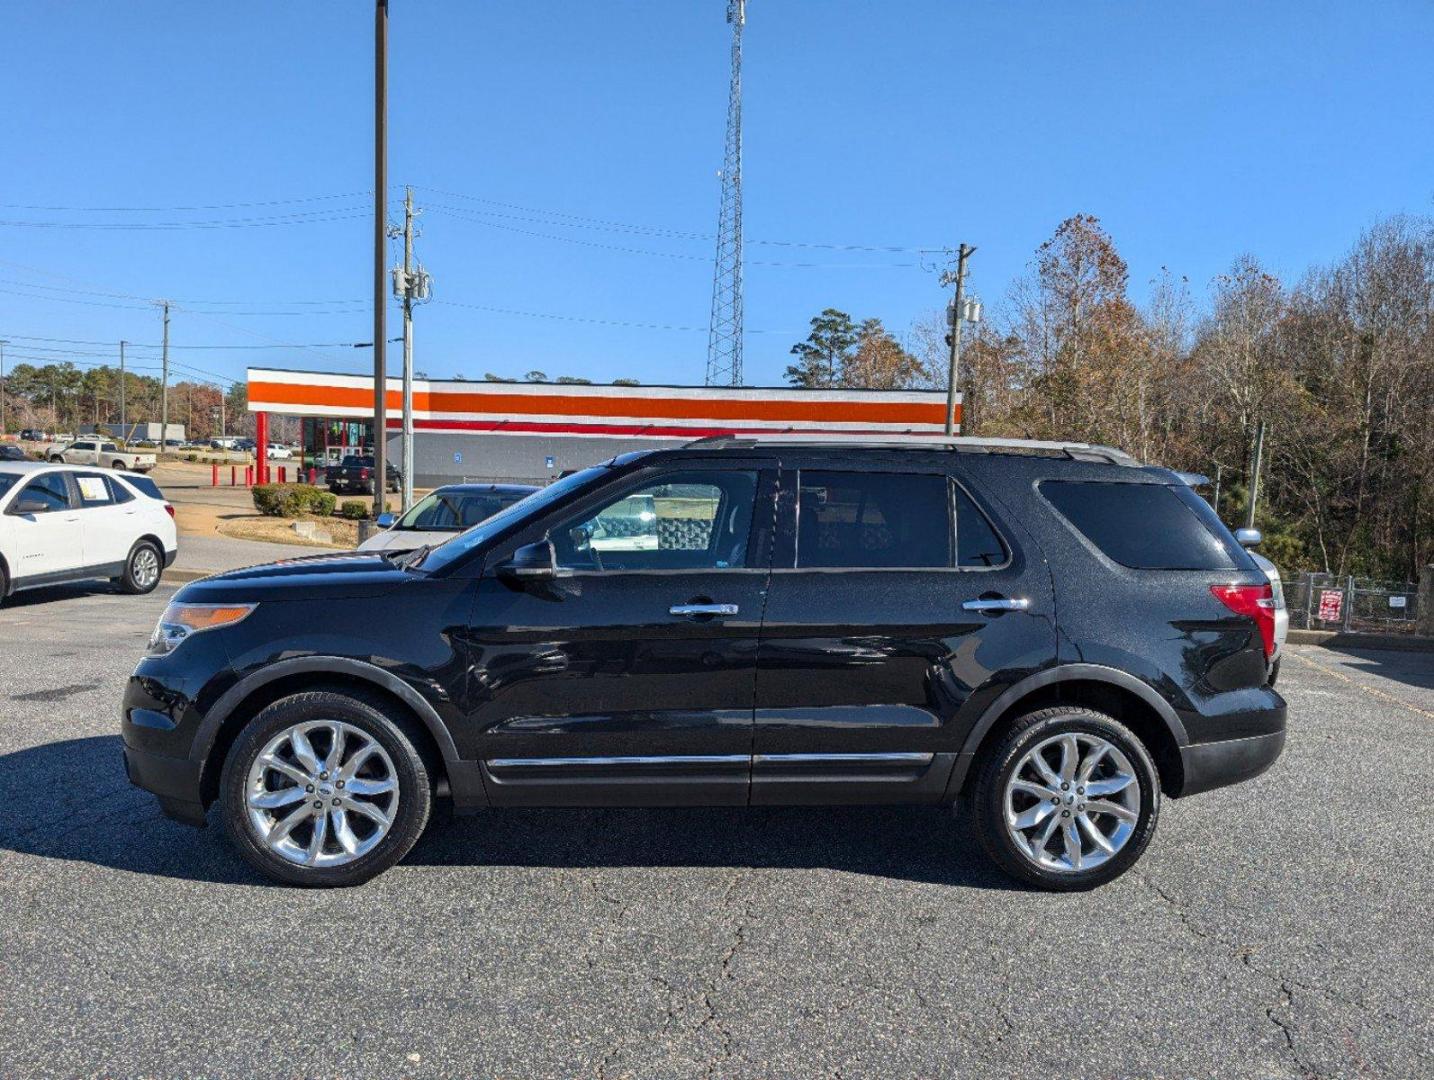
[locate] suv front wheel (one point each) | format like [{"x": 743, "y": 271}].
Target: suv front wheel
[
  {"x": 322, "y": 788},
  {"x": 1067, "y": 799}
]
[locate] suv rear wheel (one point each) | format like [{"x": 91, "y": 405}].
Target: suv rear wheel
[
  {"x": 141, "y": 570},
  {"x": 1067, "y": 800},
  {"x": 323, "y": 789}
]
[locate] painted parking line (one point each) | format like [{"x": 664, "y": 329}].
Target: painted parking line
[{"x": 1373, "y": 691}]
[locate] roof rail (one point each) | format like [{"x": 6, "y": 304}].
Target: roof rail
[{"x": 971, "y": 444}]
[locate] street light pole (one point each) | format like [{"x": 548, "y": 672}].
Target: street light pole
[{"x": 380, "y": 236}]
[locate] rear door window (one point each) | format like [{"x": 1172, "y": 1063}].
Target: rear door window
[
  {"x": 873, "y": 520},
  {"x": 94, "y": 490},
  {"x": 1143, "y": 526}
]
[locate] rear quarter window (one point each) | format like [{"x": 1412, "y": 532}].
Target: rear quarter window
[
  {"x": 1142, "y": 526},
  {"x": 145, "y": 485}
]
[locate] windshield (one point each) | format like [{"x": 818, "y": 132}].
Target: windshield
[
  {"x": 7, "y": 481},
  {"x": 352, "y": 462},
  {"x": 452, "y": 551},
  {"x": 454, "y": 511}
]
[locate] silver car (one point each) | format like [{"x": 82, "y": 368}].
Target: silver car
[{"x": 444, "y": 514}]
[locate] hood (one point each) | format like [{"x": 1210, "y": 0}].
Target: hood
[
  {"x": 404, "y": 539},
  {"x": 345, "y": 574}
]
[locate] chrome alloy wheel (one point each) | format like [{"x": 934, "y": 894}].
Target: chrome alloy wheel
[
  {"x": 145, "y": 568},
  {"x": 1072, "y": 802},
  {"x": 321, "y": 793}
]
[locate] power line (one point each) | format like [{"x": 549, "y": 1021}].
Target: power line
[
  {"x": 143, "y": 345},
  {"x": 315, "y": 217},
  {"x": 460, "y": 215},
  {"x": 583, "y": 221},
  {"x": 183, "y": 209}
]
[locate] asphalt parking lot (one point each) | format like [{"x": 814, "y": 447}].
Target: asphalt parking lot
[{"x": 1276, "y": 929}]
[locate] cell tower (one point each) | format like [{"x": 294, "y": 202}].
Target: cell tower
[{"x": 724, "y": 333}]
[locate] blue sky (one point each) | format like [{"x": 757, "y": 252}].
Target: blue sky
[{"x": 535, "y": 133}]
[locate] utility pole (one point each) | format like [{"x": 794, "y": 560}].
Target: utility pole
[
  {"x": 957, "y": 317},
  {"x": 3, "y": 421},
  {"x": 124, "y": 427},
  {"x": 164, "y": 382},
  {"x": 410, "y": 284},
  {"x": 1255, "y": 474},
  {"x": 380, "y": 235}
]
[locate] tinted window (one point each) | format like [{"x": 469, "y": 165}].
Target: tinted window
[
  {"x": 109, "y": 448},
  {"x": 7, "y": 481},
  {"x": 94, "y": 490},
  {"x": 1145, "y": 526},
  {"x": 690, "y": 520},
  {"x": 118, "y": 492},
  {"x": 873, "y": 520},
  {"x": 49, "y": 489},
  {"x": 145, "y": 485},
  {"x": 976, "y": 541}
]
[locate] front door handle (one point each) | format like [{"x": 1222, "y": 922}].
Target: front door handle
[
  {"x": 999, "y": 604},
  {"x": 694, "y": 611}
]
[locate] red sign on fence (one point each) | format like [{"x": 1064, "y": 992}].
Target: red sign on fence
[{"x": 1331, "y": 605}]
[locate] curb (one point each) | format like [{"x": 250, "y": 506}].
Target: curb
[
  {"x": 181, "y": 577},
  {"x": 1335, "y": 639}
]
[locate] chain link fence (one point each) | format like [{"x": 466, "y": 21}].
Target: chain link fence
[{"x": 1327, "y": 602}]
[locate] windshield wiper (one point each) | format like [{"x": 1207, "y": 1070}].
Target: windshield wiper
[{"x": 409, "y": 560}]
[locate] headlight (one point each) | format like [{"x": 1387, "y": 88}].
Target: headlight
[{"x": 179, "y": 621}]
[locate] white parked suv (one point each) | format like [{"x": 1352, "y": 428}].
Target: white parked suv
[{"x": 68, "y": 523}]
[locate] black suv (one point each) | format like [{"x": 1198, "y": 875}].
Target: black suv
[{"x": 1047, "y": 635}]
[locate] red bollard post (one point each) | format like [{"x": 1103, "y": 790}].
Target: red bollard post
[
  {"x": 214, "y": 481},
  {"x": 248, "y": 476},
  {"x": 313, "y": 475},
  {"x": 283, "y": 474}
]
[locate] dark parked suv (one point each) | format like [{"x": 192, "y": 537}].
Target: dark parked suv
[{"x": 1050, "y": 636}]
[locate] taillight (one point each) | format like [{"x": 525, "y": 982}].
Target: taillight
[
  {"x": 169, "y": 509},
  {"x": 363, "y": 474},
  {"x": 1256, "y": 601}
]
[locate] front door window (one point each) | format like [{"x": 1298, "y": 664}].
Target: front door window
[{"x": 683, "y": 521}]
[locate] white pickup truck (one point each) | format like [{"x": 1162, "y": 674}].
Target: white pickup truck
[{"x": 101, "y": 452}]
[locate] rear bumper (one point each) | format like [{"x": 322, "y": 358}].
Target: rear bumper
[
  {"x": 174, "y": 781},
  {"x": 1229, "y": 761}
]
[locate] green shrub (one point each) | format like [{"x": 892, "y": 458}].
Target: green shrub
[
  {"x": 291, "y": 500},
  {"x": 322, "y": 503},
  {"x": 353, "y": 509}
]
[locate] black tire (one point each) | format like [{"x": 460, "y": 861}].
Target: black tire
[
  {"x": 56, "y": 459},
  {"x": 4, "y": 585},
  {"x": 116, "y": 464},
  {"x": 136, "y": 579},
  {"x": 986, "y": 801},
  {"x": 370, "y": 715},
  {"x": 1275, "y": 671}
]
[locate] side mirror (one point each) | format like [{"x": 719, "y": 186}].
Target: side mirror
[
  {"x": 30, "y": 506},
  {"x": 530, "y": 562},
  {"x": 1248, "y": 537},
  {"x": 385, "y": 520}
]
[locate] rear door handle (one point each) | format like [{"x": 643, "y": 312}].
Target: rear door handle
[
  {"x": 693, "y": 611},
  {"x": 1000, "y": 604}
]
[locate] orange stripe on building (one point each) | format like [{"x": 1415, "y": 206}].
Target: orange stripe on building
[{"x": 360, "y": 399}]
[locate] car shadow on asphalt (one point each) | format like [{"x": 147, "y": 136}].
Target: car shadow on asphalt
[
  {"x": 1413, "y": 667},
  {"x": 49, "y": 594},
  {"x": 71, "y": 800}
]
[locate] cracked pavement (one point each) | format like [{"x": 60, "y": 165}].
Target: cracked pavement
[{"x": 1273, "y": 929}]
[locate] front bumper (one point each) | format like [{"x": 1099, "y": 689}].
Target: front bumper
[{"x": 174, "y": 781}]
